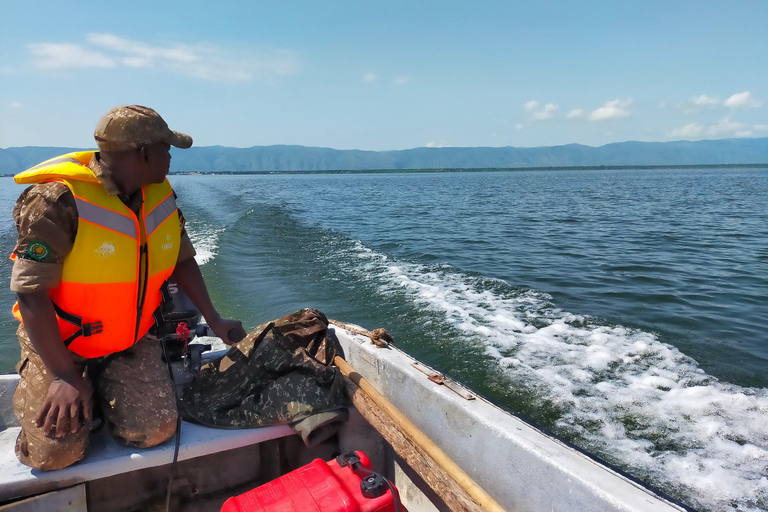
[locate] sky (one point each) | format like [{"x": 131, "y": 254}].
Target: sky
[{"x": 387, "y": 75}]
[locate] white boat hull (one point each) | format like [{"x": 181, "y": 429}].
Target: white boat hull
[{"x": 519, "y": 466}]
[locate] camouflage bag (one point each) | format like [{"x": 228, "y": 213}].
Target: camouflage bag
[{"x": 279, "y": 373}]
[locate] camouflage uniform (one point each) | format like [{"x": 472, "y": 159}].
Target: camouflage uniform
[
  {"x": 280, "y": 373},
  {"x": 132, "y": 387}
]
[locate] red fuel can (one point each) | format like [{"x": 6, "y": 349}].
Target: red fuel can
[{"x": 340, "y": 485}]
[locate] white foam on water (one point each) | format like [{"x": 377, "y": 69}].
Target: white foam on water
[
  {"x": 628, "y": 397},
  {"x": 206, "y": 241}
]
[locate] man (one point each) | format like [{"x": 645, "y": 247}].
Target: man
[{"x": 99, "y": 233}]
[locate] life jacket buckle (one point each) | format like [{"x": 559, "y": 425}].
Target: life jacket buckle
[{"x": 92, "y": 328}]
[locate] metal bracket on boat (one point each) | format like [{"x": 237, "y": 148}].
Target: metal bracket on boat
[{"x": 439, "y": 378}]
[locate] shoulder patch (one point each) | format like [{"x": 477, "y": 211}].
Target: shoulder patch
[{"x": 38, "y": 251}]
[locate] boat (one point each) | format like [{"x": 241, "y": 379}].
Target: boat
[{"x": 450, "y": 449}]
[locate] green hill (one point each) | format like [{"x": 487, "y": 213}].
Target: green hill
[{"x": 303, "y": 158}]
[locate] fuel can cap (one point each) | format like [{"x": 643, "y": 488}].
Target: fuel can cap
[{"x": 373, "y": 486}]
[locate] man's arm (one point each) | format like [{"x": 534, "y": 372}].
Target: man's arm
[
  {"x": 46, "y": 220},
  {"x": 189, "y": 278},
  {"x": 69, "y": 393}
]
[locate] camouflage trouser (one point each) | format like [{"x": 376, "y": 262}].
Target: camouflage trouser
[{"x": 132, "y": 388}]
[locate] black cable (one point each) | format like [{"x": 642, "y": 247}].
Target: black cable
[
  {"x": 386, "y": 480},
  {"x": 178, "y": 429}
]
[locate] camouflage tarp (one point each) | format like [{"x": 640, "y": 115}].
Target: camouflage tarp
[{"x": 279, "y": 373}]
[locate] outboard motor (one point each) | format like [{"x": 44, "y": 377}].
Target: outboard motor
[
  {"x": 182, "y": 324},
  {"x": 182, "y": 311}
]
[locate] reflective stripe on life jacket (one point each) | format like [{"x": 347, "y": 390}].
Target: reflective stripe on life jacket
[{"x": 112, "y": 278}]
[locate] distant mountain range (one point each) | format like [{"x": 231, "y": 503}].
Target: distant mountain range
[{"x": 303, "y": 158}]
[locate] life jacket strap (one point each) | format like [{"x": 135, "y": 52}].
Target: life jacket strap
[
  {"x": 166, "y": 306},
  {"x": 86, "y": 330},
  {"x": 159, "y": 321},
  {"x": 165, "y": 293}
]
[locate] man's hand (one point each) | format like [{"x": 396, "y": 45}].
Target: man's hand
[
  {"x": 63, "y": 402},
  {"x": 190, "y": 280},
  {"x": 230, "y": 331},
  {"x": 69, "y": 393}
]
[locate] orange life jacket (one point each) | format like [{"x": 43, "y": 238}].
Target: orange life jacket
[{"x": 113, "y": 278}]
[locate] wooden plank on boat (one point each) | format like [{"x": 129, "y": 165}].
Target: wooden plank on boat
[
  {"x": 443, "y": 483},
  {"x": 72, "y": 499}
]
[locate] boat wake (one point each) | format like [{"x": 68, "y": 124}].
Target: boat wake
[
  {"x": 205, "y": 238},
  {"x": 616, "y": 392}
]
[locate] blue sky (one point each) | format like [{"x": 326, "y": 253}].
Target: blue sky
[{"x": 388, "y": 75}]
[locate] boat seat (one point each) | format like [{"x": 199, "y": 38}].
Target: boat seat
[{"x": 106, "y": 457}]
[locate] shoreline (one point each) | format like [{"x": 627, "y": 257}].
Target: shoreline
[
  {"x": 472, "y": 169},
  {"x": 485, "y": 169}
]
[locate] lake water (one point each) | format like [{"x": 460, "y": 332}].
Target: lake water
[{"x": 623, "y": 311}]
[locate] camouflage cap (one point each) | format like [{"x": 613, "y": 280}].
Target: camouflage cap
[{"x": 133, "y": 126}]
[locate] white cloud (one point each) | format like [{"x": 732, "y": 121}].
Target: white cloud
[
  {"x": 548, "y": 112},
  {"x": 534, "y": 113},
  {"x": 611, "y": 110},
  {"x": 206, "y": 62},
  {"x": 49, "y": 56},
  {"x": 724, "y": 128},
  {"x": 530, "y": 105},
  {"x": 519, "y": 126},
  {"x": 371, "y": 77},
  {"x": 576, "y": 113},
  {"x": 704, "y": 100},
  {"x": 140, "y": 54},
  {"x": 689, "y": 130},
  {"x": 437, "y": 144},
  {"x": 16, "y": 104},
  {"x": 743, "y": 100}
]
